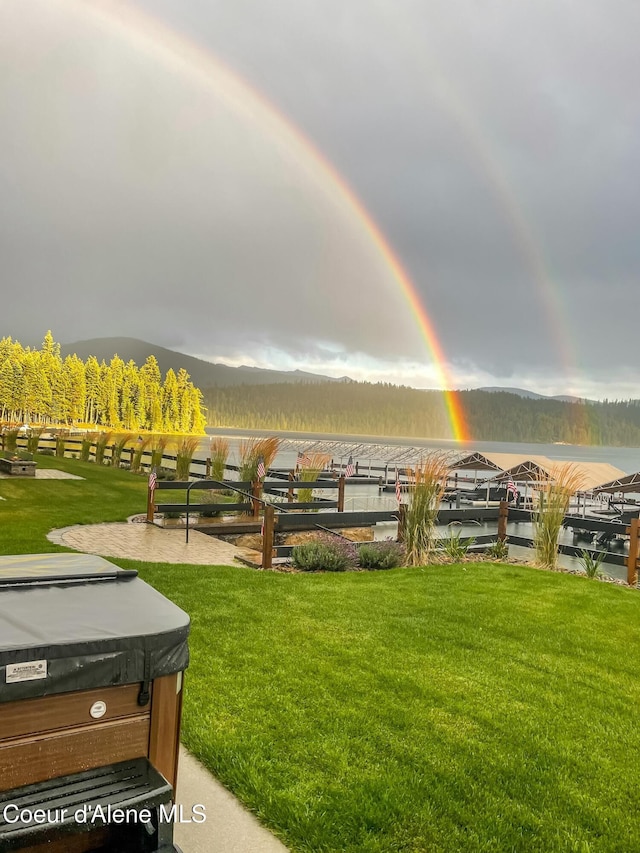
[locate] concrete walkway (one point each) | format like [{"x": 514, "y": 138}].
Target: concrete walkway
[
  {"x": 229, "y": 827},
  {"x": 149, "y": 543}
]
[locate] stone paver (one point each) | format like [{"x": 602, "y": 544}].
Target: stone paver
[
  {"x": 44, "y": 474},
  {"x": 55, "y": 474},
  {"x": 147, "y": 542}
]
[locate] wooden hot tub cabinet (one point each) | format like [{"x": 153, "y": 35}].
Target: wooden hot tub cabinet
[{"x": 91, "y": 675}]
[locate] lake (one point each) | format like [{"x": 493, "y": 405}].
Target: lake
[{"x": 625, "y": 458}]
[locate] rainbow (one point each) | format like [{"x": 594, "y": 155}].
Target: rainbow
[
  {"x": 477, "y": 140},
  {"x": 147, "y": 35}
]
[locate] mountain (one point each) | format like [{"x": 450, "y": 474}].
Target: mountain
[
  {"x": 204, "y": 374},
  {"x": 531, "y": 395}
]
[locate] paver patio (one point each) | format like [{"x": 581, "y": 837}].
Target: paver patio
[{"x": 149, "y": 543}]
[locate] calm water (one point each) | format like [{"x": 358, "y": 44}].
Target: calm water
[{"x": 625, "y": 458}]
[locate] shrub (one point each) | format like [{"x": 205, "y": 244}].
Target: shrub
[
  {"x": 210, "y": 497},
  {"x": 327, "y": 554},
  {"x": 591, "y": 562},
  {"x": 166, "y": 474},
  {"x": 454, "y": 546},
  {"x": 61, "y": 441},
  {"x": 47, "y": 452},
  {"x": 498, "y": 550},
  {"x": 22, "y": 455},
  {"x": 381, "y": 555}
]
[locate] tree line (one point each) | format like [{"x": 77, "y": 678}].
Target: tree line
[
  {"x": 388, "y": 410},
  {"x": 38, "y": 386}
]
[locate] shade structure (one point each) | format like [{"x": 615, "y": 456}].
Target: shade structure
[{"x": 627, "y": 484}]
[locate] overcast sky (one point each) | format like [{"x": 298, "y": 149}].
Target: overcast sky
[{"x": 148, "y": 188}]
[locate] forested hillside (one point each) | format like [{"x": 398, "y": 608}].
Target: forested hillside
[{"x": 381, "y": 409}]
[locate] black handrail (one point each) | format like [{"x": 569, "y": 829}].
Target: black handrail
[{"x": 208, "y": 484}]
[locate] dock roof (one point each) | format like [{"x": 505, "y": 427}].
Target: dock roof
[{"x": 625, "y": 483}]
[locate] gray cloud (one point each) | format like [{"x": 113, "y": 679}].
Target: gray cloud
[{"x": 495, "y": 145}]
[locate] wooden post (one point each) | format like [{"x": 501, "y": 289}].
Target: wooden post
[
  {"x": 290, "y": 495},
  {"x": 208, "y": 467},
  {"x": 503, "y": 516},
  {"x": 267, "y": 537},
  {"x": 632, "y": 561},
  {"x": 341, "y": 482},
  {"x": 402, "y": 518},
  {"x": 256, "y": 489}
]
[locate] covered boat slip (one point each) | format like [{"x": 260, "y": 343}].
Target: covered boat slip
[
  {"x": 91, "y": 664},
  {"x": 388, "y": 457}
]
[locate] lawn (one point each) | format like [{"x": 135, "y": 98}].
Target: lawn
[{"x": 449, "y": 708}]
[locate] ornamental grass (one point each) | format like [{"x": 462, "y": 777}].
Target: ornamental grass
[
  {"x": 219, "y": 453},
  {"x": 159, "y": 444},
  {"x": 185, "y": 448},
  {"x": 427, "y": 483},
  {"x": 120, "y": 441},
  {"x": 310, "y": 469},
  {"x": 33, "y": 439},
  {"x": 251, "y": 451},
  {"x": 101, "y": 445},
  {"x": 141, "y": 445},
  {"x": 554, "y": 494}
]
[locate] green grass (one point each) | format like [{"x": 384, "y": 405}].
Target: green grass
[
  {"x": 32, "y": 507},
  {"x": 491, "y": 708},
  {"x": 449, "y": 708}
]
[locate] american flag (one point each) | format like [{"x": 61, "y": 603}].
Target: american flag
[
  {"x": 350, "y": 470},
  {"x": 261, "y": 469},
  {"x": 153, "y": 481},
  {"x": 302, "y": 459},
  {"x": 398, "y": 490},
  {"x": 511, "y": 488}
]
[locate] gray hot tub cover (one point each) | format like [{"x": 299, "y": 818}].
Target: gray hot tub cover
[{"x": 81, "y": 622}]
